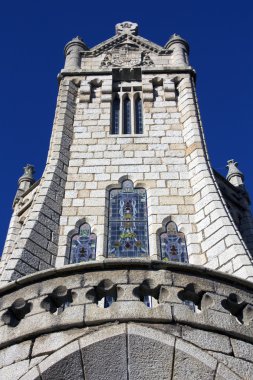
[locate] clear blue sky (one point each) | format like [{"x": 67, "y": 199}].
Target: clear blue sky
[{"x": 33, "y": 35}]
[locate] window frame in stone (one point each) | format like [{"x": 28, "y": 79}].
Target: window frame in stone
[
  {"x": 173, "y": 244},
  {"x": 115, "y": 115},
  {"x": 130, "y": 124},
  {"x": 138, "y": 114},
  {"x": 83, "y": 240},
  {"x": 127, "y": 222},
  {"x": 127, "y": 115}
]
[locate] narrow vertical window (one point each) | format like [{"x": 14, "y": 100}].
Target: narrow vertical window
[
  {"x": 138, "y": 116},
  {"x": 115, "y": 115},
  {"x": 173, "y": 245},
  {"x": 127, "y": 116},
  {"x": 128, "y": 224},
  {"x": 83, "y": 245}
]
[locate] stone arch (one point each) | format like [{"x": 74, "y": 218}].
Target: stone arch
[
  {"x": 74, "y": 232},
  {"x": 180, "y": 231},
  {"x": 127, "y": 221},
  {"x": 128, "y": 352}
]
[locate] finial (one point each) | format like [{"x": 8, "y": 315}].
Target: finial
[
  {"x": 77, "y": 38},
  {"x": 24, "y": 182},
  {"x": 28, "y": 174},
  {"x": 127, "y": 27},
  {"x": 234, "y": 176}
]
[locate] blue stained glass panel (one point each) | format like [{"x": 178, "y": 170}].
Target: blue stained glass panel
[
  {"x": 115, "y": 115},
  {"x": 127, "y": 116},
  {"x": 173, "y": 245},
  {"x": 128, "y": 227},
  {"x": 138, "y": 116},
  {"x": 83, "y": 245}
]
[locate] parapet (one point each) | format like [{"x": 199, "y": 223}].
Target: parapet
[{"x": 186, "y": 307}]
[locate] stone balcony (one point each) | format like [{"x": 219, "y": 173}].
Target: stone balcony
[{"x": 140, "y": 293}]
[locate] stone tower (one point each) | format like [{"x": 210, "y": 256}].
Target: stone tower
[{"x": 130, "y": 239}]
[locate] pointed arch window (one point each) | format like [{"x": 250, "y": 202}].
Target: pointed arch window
[
  {"x": 173, "y": 244},
  {"x": 127, "y": 116},
  {"x": 83, "y": 245},
  {"x": 138, "y": 116},
  {"x": 128, "y": 224},
  {"x": 115, "y": 115}
]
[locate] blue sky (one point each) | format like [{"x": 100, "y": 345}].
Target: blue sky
[{"x": 33, "y": 35}]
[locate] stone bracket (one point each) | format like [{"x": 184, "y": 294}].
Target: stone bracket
[
  {"x": 169, "y": 90},
  {"x": 147, "y": 92},
  {"x": 85, "y": 92}
]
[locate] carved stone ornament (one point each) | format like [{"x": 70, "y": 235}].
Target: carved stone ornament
[
  {"x": 127, "y": 27},
  {"x": 126, "y": 56}
]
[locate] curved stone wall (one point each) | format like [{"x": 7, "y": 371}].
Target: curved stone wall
[{"x": 55, "y": 324}]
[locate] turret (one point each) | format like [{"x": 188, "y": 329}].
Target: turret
[
  {"x": 180, "y": 50},
  {"x": 73, "y": 50}
]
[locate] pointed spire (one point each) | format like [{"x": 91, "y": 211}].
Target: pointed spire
[{"x": 234, "y": 176}]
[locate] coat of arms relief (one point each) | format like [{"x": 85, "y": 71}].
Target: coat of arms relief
[{"x": 126, "y": 56}]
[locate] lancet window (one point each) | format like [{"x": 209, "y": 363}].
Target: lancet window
[
  {"x": 115, "y": 115},
  {"x": 126, "y": 116},
  {"x": 83, "y": 245},
  {"x": 128, "y": 224},
  {"x": 127, "y": 111},
  {"x": 138, "y": 115},
  {"x": 173, "y": 244}
]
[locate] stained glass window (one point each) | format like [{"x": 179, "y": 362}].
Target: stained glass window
[
  {"x": 138, "y": 116},
  {"x": 83, "y": 245},
  {"x": 127, "y": 116},
  {"x": 128, "y": 225},
  {"x": 115, "y": 115},
  {"x": 173, "y": 245}
]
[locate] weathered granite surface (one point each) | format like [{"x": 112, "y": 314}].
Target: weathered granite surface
[{"x": 54, "y": 324}]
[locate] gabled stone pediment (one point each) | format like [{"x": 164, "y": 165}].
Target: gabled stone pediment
[
  {"x": 126, "y": 50},
  {"x": 125, "y": 39}
]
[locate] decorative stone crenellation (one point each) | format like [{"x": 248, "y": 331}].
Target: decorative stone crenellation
[{"x": 211, "y": 333}]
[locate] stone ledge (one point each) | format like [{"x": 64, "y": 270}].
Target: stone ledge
[
  {"x": 113, "y": 264},
  {"x": 139, "y": 291}
]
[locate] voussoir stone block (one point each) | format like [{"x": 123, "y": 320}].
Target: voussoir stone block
[
  {"x": 207, "y": 340},
  {"x": 51, "y": 342},
  {"x": 14, "y": 371},
  {"x": 190, "y": 361},
  {"x": 105, "y": 344},
  {"x": 242, "y": 350},
  {"x": 242, "y": 368},
  {"x": 15, "y": 353},
  {"x": 150, "y": 354},
  {"x": 63, "y": 364}
]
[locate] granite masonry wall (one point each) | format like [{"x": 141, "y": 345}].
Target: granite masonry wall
[{"x": 85, "y": 161}]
